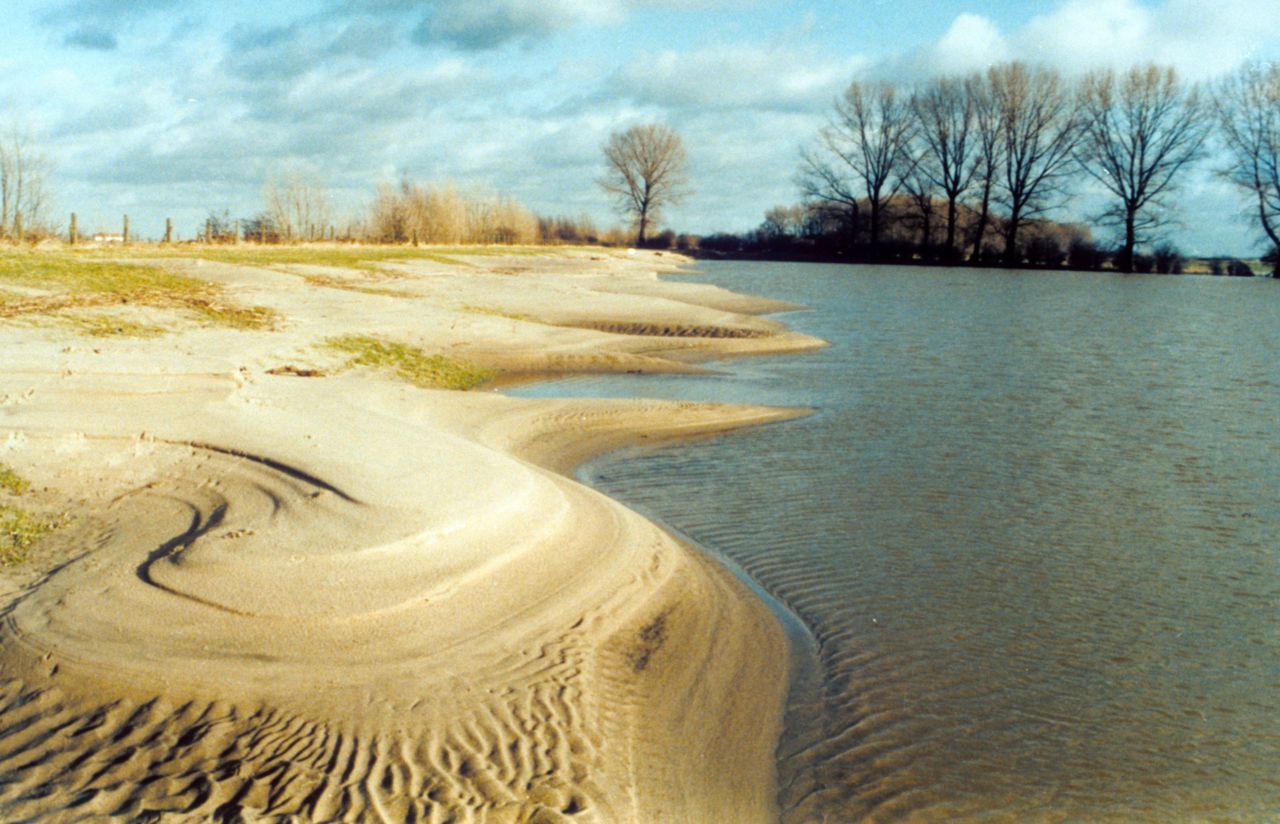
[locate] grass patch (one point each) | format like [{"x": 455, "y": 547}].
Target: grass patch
[
  {"x": 19, "y": 530},
  {"x": 340, "y": 256},
  {"x": 498, "y": 313},
  {"x": 12, "y": 482},
  {"x": 410, "y": 363},
  {"x": 86, "y": 279},
  {"x": 352, "y": 286},
  {"x": 105, "y": 326}
]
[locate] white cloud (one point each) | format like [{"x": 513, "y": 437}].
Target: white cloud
[
  {"x": 738, "y": 76},
  {"x": 1083, "y": 34},
  {"x": 972, "y": 43}
]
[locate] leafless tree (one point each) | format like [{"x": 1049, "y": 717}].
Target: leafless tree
[
  {"x": 921, "y": 188},
  {"x": 1139, "y": 131},
  {"x": 988, "y": 157},
  {"x": 645, "y": 172},
  {"x": 862, "y": 151},
  {"x": 1039, "y": 130},
  {"x": 1248, "y": 111},
  {"x": 946, "y": 120},
  {"x": 24, "y": 194},
  {"x": 298, "y": 205}
]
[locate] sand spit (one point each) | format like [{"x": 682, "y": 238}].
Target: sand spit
[{"x": 347, "y": 598}]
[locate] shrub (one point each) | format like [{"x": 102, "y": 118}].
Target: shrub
[{"x": 1168, "y": 260}]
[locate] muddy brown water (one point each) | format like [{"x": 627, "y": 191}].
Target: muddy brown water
[{"x": 1031, "y": 539}]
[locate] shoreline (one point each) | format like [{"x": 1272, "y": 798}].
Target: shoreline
[{"x": 556, "y": 656}]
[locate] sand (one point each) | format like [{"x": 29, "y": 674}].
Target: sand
[{"x": 344, "y": 597}]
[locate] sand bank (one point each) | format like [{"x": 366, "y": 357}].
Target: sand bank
[{"x": 345, "y": 597}]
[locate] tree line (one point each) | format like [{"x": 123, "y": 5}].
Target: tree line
[{"x": 972, "y": 165}]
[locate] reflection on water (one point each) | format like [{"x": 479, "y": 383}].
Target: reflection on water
[{"x": 1034, "y": 531}]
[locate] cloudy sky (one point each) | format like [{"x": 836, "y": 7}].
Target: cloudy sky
[{"x": 169, "y": 108}]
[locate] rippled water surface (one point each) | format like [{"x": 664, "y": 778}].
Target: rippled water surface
[{"x": 1033, "y": 531}]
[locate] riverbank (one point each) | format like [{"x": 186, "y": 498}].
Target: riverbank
[{"x": 283, "y": 573}]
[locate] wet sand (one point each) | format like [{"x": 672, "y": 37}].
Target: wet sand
[{"x": 343, "y": 597}]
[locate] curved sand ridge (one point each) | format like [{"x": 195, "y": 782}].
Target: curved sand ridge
[{"x": 348, "y": 599}]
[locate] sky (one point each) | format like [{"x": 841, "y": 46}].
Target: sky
[{"x": 173, "y": 108}]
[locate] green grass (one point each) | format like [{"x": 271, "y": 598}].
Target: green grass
[
  {"x": 410, "y": 363},
  {"x": 19, "y": 530},
  {"x": 498, "y": 313},
  {"x": 79, "y": 279},
  {"x": 105, "y": 326},
  {"x": 341, "y": 256},
  {"x": 12, "y": 482}
]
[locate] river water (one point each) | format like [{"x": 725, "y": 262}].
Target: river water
[{"x": 1032, "y": 534}]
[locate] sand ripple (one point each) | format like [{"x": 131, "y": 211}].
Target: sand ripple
[{"x": 298, "y": 607}]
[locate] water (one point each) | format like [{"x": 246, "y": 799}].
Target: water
[{"x": 1033, "y": 530}]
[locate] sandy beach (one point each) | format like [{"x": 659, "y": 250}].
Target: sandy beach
[{"x": 286, "y": 582}]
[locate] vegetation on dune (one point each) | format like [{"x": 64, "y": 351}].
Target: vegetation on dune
[
  {"x": 498, "y": 313},
  {"x": 11, "y": 481},
  {"x": 106, "y": 326},
  {"x": 19, "y": 529},
  {"x": 410, "y": 363},
  {"x": 80, "y": 279}
]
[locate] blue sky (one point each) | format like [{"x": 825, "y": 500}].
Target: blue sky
[{"x": 167, "y": 108}]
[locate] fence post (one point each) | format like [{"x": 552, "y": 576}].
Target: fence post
[
  {"x": 126, "y": 228},
  {"x": 71, "y": 235},
  {"x": 208, "y": 231},
  {"x": 236, "y": 237},
  {"x": 168, "y": 230}
]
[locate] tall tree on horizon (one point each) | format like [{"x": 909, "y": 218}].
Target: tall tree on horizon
[
  {"x": 1139, "y": 131},
  {"x": 1039, "y": 130},
  {"x": 946, "y": 116},
  {"x": 862, "y": 153},
  {"x": 645, "y": 172},
  {"x": 987, "y": 150},
  {"x": 1248, "y": 110},
  {"x": 24, "y": 192}
]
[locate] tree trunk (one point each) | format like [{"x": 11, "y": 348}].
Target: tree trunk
[
  {"x": 643, "y": 224},
  {"x": 983, "y": 215},
  {"x": 1130, "y": 240},
  {"x": 1271, "y": 233},
  {"x": 951, "y": 230},
  {"x": 875, "y": 228},
  {"x": 1011, "y": 257}
]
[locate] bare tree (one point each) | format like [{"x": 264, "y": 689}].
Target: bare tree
[
  {"x": 1248, "y": 110},
  {"x": 1139, "y": 132},
  {"x": 863, "y": 147},
  {"x": 828, "y": 189},
  {"x": 946, "y": 120},
  {"x": 920, "y": 188},
  {"x": 988, "y": 156},
  {"x": 645, "y": 172},
  {"x": 24, "y": 194},
  {"x": 1039, "y": 130},
  {"x": 298, "y": 205}
]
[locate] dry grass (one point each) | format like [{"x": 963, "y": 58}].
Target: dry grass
[
  {"x": 337, "y": 255},
  {"x": 410, "y": 363},
  {"x": 83, "y": 279},
  {"x": 12, "y": 482},
  {"x": 19, "y": 529},
  {"x": 106, "y": 326},
  {"x": 498, "y": 313}
]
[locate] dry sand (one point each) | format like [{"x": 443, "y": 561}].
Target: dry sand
[{"x": 347, "y": 598}]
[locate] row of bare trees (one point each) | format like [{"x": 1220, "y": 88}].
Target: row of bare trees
[{"x": 1015, "y": 137}]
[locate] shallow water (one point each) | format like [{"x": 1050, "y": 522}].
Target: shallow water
[{"x": 1033, "y": 531}]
